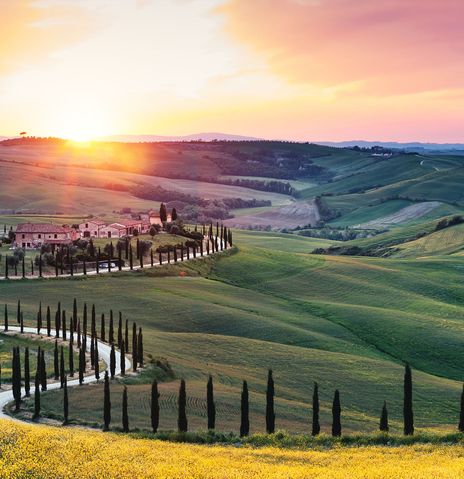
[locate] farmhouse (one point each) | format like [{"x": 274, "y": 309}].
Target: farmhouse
[
  {"x": 91, "y": 228},
  {"x": 153, "y": 217},
  {"x": 29, "y": 235}
]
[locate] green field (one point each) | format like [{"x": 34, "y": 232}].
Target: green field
[{"x": 346, "y": 322}]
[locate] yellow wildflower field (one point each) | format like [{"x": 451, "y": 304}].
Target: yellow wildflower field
[{"x": 50, "y": 452}]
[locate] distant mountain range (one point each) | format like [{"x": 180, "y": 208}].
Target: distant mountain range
[
  {"x": 207, "y": 136},
  {"x": 412, "y": 146}
]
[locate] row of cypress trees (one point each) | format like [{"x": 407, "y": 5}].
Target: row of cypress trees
[{"x": 182, "y": 421}]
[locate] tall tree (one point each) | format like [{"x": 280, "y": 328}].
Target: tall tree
[
  {"x": 106, "y": 404},
  {"x": 120, "y": 330},
  {"x": 84, "y": 328},
  {"x": 316, "y": 427},
  {"x": 39, "y": 318},
  {"x": 173, "y": 214},
  {"x": 134, "y": 347},
  {"x": 336, "y": 415},
  {"x": 5, "y": 317},
  {"x": 461, "y": 413},
  {"x": 111, "y": 328},
  {"x": 126, "y": 333},
  {"x": 163, "y": 213},
  {"x": 27, "y": 374},
  {"x": 112, "y": 361},
  {"x": 182, "y": 422},
  {"x": 18, "y": 311},
  {"x": 140, "y": 348},
  {"x": 43, "y": 370},
  {"x": 408, "y": 414},
  {"x": 63, "y": 325},
  {"x": 210, "y": 405},
  {"x": 102, "y": 328},
  {"x": 270, "y": 414},
  {"x": 384, "y": 418},
  {"x": 244, "y": 411},
  {"x": 62, "y": 368},
  {"x": 56, "y": 362},
  {"x": 65, "y": 402},
  {"x": 81, "y": 365},
  {"x": 155, "y": 409},
  {"x": 74, "y": 314},
  {"x": 96, "y": 360},
  {"x": 16, "y": 378},
  {"x": 71, "y": 359},
  {"x": 125, "y": 417},
  {"x": 79, "y": 341},
  {"x": 123, "y": 359},
  {"x": 49, "y": 321},
  {"x": 37, "y": 395}
]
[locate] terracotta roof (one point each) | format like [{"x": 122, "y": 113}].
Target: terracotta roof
[
  {"x": 117, "y": 226},
  {"x": 95, "y": 222},
  {"x": 42, "y": 228},
  {"x": 129, "y": 222}
]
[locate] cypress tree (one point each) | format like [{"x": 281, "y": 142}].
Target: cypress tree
[
  {"x": 316, "y": 427},
  {"x": 81, "y": 366},
  {"x": 461, "y": 413},
  {"x": 125, "y": 417},
  {"x": 93, "y": 324},
  {"x": 270, "y": 414},
  {"x": 84, "y": 267},
  {"x": 102, "y": 328},
  {"x": 65, "y": 402},
  {"x": 126, "y": 335},
  {"x": 6, "y": 267},
  {"x": 140, "y": 348},
  {"x": 111, "y": 330},
  {"x": 43, "y": 370},
  {"x": 112, "y": 362},
  {"x": 131, "y": 258},
  {"x": 155, "y": 409},
  {"x": 160, "y": 257},
  {"x": 27, "y": 375},
  {"x": 49, "y": 322},
  {"x": 71, "y": 359},
  {"x": 120, "y": 330},
  {"x": 336, "y": 415},
  {"x": 40, "y": 265},
  {"x": 74, "y": 314},
  {"x": 408, "y": 414},
  {"x": 72, "y": 328},
  {"x": 182, "y": 423},
  {"x": 163, "y": 213},
  {"x": 151, "y": 258},
  {"x": 24, "y": 267},
  {"x": 16, "y": 378},
  {"x": 57, "y": 324},
  {"x": 97, "y": 262},
  {"x": 39, "y": 318},
  {"x": 18, "y": 312},
  {"x": 119, "y": 259},
  {"x": 63, "y": 325},
  {"x": 230, "y": 237},
  {"x": 62, "y": 368},
  {"x": 22, "y": 322},
  {"x": 134, "y": 347},
  {"x": 92, "y": 351},
  {"x": 210, "y": 405},
  {"x": 84, "y": 328},
  {"x": 56, "y": 362},
  {"x": 244, "y": 412},
  {"x": 5, "y": 317},
  {"x": 106, "y": 404},
  {"x": 96, "y": 360},
  {"x": 384, "y": 418},
  {"x": 123, "y": 359},
  {"x": 37, "y": 395},
  {"x": 79, "y": 342}
]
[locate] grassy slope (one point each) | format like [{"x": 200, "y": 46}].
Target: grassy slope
[{"x": 345, "y": 322}]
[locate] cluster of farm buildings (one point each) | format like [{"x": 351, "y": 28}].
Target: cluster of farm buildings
[{"x": 34, "y": 235}]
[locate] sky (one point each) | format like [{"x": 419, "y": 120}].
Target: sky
[{"x": 307, "y": 70}]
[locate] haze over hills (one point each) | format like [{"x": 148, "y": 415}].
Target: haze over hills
[
  {"x": 206, "y": 136},
  {"x": 409, "y": 146}
]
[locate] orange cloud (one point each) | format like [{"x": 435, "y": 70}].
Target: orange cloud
[
  {"x": 30, "y": 30},
  {"x": 388, "y": 46}
]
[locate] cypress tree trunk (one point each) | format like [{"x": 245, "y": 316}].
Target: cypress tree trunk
[
  {"x": 71, "y": 359},
  {"x": 49, "y": 322},
  {"x": 316, "y": 427},
  {"x": 106, "y": 404},
  {"x": 112, "y": 362},
  {"x": 125, "y": 417},
  {"x": 126, "y": 335},
  {"x": 210, "y": 406},
  {"x": 408, "y": 414},
  {"x": 244, "y": 411},
  {"x": 65, "y": 403},
  {"x": 62, "y": 368},
  {"x": 182, "y": 422},
  {"x": 43, "y": 370},
  {"x": 123, "y": 359},
  {"x": 79, "y": 342},
  {"x": 384, "y": 418},
  {"x": 461, "y": 413},
  {"x": 5, "y": 317},
  {"x": 155, "y": 406},
  {"x": 63, "y": 321},
  {"x": 270, "y": 414},
  {"x": 111, "y": 329},
  {"x": 37, "y": 397},
  {"x": 96, "y": 360},
  {"x": 56, "y": 363},
  {"x": 22, "y": 323},
  {"x": 27, "y": 375},
  {"x": 81, "y": 366},
  {"x": 102, "y": 328},
  {"x": 140, "y": 348},
  {"x": 336, "y": 415},
  {"x": 120, "y": 330}
]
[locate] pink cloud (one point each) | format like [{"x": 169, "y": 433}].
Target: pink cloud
[{"x": 389, "y": 46}]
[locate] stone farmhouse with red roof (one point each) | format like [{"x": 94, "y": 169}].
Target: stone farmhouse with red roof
[
  {"x": 29, "y": 235},
  {"x": 124, "y": 227}
]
